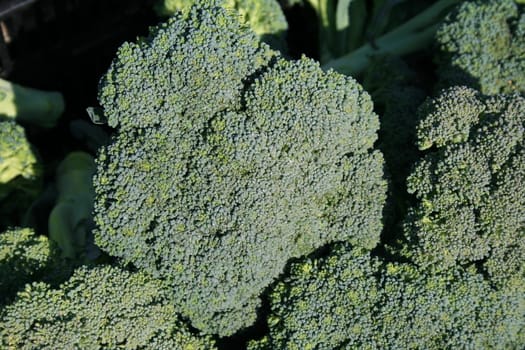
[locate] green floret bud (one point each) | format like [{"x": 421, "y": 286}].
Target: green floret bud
[
  {"x": 471, "y": 198},
  {"x": 31, "y": 106},
  {"x": 229, "y": 162},
  {"x": 482, "y": 45},
  {"x": 351, "y": 300},
  {"x": 24, "y": 257},
  {"x": 98, "y": 308},
  {"x": 19, "y": 168}
]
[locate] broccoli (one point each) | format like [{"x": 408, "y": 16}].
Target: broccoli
[
  {"x": 264, "y": 17},
  {"x": 31, "y": 106},
  {"x": 20, "y": 174},
  {"x": 227, "y": 162},
  {"x": 351, "y": 300},
  {"x": 19, "y": 167},
  {"x": 482, "y": 45},
  {"x": 469, "y": 184},
  {"x": 414, "y": 34},
  {"x": 71, "y": 221},
  {"x": 24, "y": 257},
  {"x": 102, "y": 307}
]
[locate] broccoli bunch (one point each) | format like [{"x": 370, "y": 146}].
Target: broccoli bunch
[
  {"x": 469, "y": 185},
  {"x": 102, "y": 307},
  {"x": 228, "y": 161},
  {"x": 264, "y": 17},
  {"x": 482, "y": 45},
  {"x": 351, "y": 300}
]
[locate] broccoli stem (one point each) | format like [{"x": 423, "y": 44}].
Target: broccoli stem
[
  {"x": 411, "y": 36},
  {"x": 31, "y": 106}
]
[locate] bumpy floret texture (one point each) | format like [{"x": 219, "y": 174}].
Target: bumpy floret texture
[
  {"x": 469, "y": 185},
  {"x": 98, "y": 308},
  {"x": 482, "y": 45},
  {"x": 350, "y": 300},
  {"x": 264, "y": 17},
  {"x": 228, "y": 161},
  {"x": 24, "y": 257},
  {"x": 18, "y": 164}
]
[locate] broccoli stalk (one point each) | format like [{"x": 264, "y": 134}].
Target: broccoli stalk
[
  {"x": 26, "y": 105},
  {"x": 411, "y": 36},
  {"x": 70, "y": 221}
]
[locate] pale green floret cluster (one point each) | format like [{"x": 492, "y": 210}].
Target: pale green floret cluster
[
  {"x": 19, "y": 168},
  {"x": 469, "y": 185},
  {"x": 482, "y": 45},
  {"x": 228, "y": 161},
  {"x": 97, "y": 308},
  {"x": 351, "y": 300}
]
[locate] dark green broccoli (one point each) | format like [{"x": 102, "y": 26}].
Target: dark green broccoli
[
  {"x": 31, "y": 106},
  {"x": 24, "y": 257},
  {"x": 264, "y": 17},
  {"x": 469, "y": 185},
  {"x": 98, "y": 308},
  {"x": 71, "y": 220},
  {"x": 229, "y": 162},
  {"x": 350, "y": 300},
  {"x": 482, "y": 45}
]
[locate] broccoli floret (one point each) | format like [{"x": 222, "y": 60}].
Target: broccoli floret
[
  {"x": 482, "y": 45},
  {"x": 31, "y": 106},
  {"x": 350, "y": 300},
  {"x": 24, "y": 257},
  {"x": 71, "y": 221},
  {"x": 469, "y": 185},
  {"x": 264, "y": 17},
  {"x": 229, "y": 162},
  {"x": 102, "y": 307},
  {"x": 413, "y": 35}
]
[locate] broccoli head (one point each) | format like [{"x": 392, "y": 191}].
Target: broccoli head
[
  {"x": 469, "y": 184},
  {"x": 482, "y": 45},
  {"x": 31, "y": 106},
  {"x": 351, "y": 300},
  {"x": 98, "y": 308},
  {"x": 264, "y": 17},
  {"x": 228, "y": 161},
  {"x": 24, "y": 257}
]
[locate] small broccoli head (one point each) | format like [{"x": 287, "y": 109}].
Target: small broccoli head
[
  {"x": 24, "y": 257},
  {"x": 470, "y": 183},
  {"x": 102, "y": 307},
  {"x": 19, "y": 168},
  {"x": 351, "y": 300},
  {"x": 482, "y": 45},
  {"x": 264, "y": 17},
  {"x": 229, "y": 162}
]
